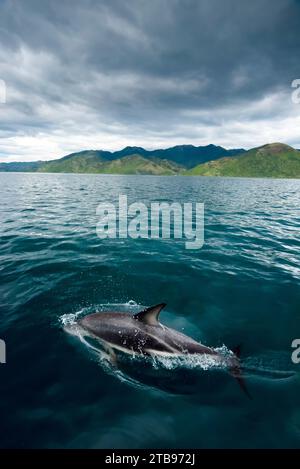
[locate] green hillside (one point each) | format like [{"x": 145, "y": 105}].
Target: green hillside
[
  {"x": 91, "y": 163},
  {"x": 273, "y": 160},
  {"x": 136, "y": 164},
  {"x": 84, "y": 162}
]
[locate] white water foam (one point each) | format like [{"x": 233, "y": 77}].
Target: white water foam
[
  {"x": 195, "y": 361},
  {"x": 71, "y": 318}
]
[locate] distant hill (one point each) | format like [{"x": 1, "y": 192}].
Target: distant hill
[
  {"x": 133, "y": 164},
  {"x": 87, "y": 160},
  {"x": 189, "y": 156},
  {"x": 20, "y": 166},
  {"x": 185, "y": 155},
  {"x": 82, "y": 162},
  {"x": 273, "y": 160}
]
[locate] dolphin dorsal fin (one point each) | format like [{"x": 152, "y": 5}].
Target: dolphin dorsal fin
[{"x": 150, "y": 315}]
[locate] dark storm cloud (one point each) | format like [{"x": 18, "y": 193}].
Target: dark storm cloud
[{"x": 158, "y": 71}]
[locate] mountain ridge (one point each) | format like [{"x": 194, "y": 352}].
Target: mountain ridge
[
  {"x": 185, "y": 155},
  {"x": 276, "y": 160},
  {"x": 269, "y": 160}
]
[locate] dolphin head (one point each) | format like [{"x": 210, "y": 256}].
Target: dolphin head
[{"x": 107, "y": 324}]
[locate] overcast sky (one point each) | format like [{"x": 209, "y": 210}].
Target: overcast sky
[{"x": 91, "y": 74}]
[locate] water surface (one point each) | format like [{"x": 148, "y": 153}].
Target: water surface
[{"x": 242, "y": 287}]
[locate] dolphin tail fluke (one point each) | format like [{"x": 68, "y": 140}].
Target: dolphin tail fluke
[{"x": 236, "y": 371}]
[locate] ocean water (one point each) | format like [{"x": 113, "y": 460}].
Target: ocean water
[{"x": 242, "y": 287}]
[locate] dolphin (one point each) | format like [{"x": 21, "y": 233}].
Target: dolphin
[{"x": 143, "y": 334}]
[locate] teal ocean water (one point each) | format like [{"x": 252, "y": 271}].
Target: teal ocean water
[{"x": 242, "y": 287}]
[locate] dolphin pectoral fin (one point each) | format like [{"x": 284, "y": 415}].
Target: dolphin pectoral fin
[
  {"x": 109, "y": 353},
  {"x": 150, "y": 315},
  {"x": 113, "y": 357}
]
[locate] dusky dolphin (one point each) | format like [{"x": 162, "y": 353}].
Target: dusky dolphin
[{"x": 143, "y": 334}]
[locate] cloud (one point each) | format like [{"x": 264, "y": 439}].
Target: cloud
[{"x": 98, "y": 74}]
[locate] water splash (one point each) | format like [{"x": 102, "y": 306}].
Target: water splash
[
  {"x": 195, "y": 361},
  {"x": 71, "y": 318}
]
